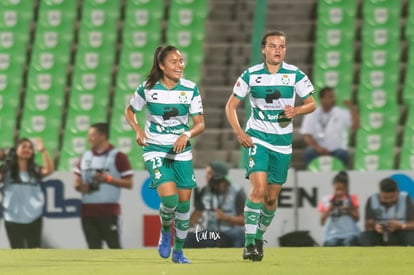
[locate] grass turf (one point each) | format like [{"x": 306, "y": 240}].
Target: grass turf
[{"x": 298, "y": 261}]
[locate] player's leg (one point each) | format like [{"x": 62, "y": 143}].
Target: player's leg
[
  {"x": 257, "y": 164},
  {"x": 184, "y": 174},
  {"x": 276, "y": 176},
  {"x": 162, "y": 178},
  {"x": 169, "y": 201}
]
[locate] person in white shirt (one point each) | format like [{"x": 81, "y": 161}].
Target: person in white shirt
[{"x": 326, "y": 130}]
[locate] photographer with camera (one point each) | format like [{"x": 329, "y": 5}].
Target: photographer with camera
[
  {"x": 24, "y": 199},
  {"x": 100, "y": 174},
  {"x": 218, "y": 219},
  {"x": 340, "y": 214},
  {"x": 389, "y": 217}
]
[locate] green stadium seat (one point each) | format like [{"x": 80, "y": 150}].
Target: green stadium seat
[
  {"x": 9, "y": 97},
  {"x": 95, "y": 103},
  {"x": 100, "y": 18},
  {"x": 372, "y": 140},
  {"x": 325, "y": 164},
  {"x": 121, "y": 98},
  {"x": 128, "y": 80},
  {"x": 43, "y": 124},
  {"x": 378, "y": 118},
  {"x": 382, "y": 13},
  {"x": 128, "y": 145},
  {"x": 375, "y": 37},
  {"x": 406, "y": 161},
  {"x": 142, "y": 14},
  {"x": 99, "y": 40},
  {"x": 186, "y": 36},
  {"x": 63, "y": 5},
  {"x": 136, "y": 60},
  {"x": 7, "y": 124},
  {"x": 148, "y": 38},
  {"x": 409, "y": 28},
  {"x": 13, "y": 43},
  {"x": 384, "y": 57},
  {"x": 16, "y": 16},
  {"x": 331, "y": 38},
  {"x": 373, "y": 98},
  {"x": 408, "y": 86},
  {"x": 374, "y": 161},
  {"x": 378, "y": 78},
  {"x": 44, "y": 101},
  {"x": 91, "y": 61},
  {"x": 74, "y": 144},
  {"x": 53, "y": 41},
  {"x": 339, "y": 78},
  {"x": 49, "y": 62},
  {"x": 44, "y": 81},
  {"x": 337, "y": 13},
  {"x": 54, "y": 16},
  {"x": 67, "y": 160},
  {"x": 10, "y": 62},
  {"x": 10, "y": 83},
  {"x": 90, "y": 81}
]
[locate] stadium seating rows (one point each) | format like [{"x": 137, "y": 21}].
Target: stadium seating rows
[
  {"x": 74, "y": 77},
  {"x": 379, "y": 75}
]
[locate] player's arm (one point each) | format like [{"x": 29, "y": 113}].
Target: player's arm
[
  {"x": 140, "y": 136},
  {"x": 197, "y": 128},
  {"x": 231, "y": 114},
  {"x": 307, "y": 107}
]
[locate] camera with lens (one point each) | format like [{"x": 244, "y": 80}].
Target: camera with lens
[
  {"x": 337, "y": 208},
  {"x": 385, "y": 232},
  {"x": 94, "y": 184}
]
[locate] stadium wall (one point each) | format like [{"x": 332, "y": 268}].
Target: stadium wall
[{"x": 297, "y": 206}]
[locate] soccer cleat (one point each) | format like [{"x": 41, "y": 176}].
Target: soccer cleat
[
  {"x": 250, "y": 253},
  {"x": 259, "y": 247},
  {"x": 179, "y": 258},
  {"x": 164, "y": 244}
]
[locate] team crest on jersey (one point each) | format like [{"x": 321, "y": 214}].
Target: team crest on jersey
[
  {"x": 157, "y": 174},
  {"x": 285, "y": 79},
  {"x": 183, "y": 97},
  {"x": 251, "y": 162},
  {"x": 160, "y": 129}
]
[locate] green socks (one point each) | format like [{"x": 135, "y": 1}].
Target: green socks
[
  {"x": 266, "y": 217},
  {"x": 251, "y": 218},
  {"x": 182, "y": 224},
  {"x": 167, "y": 209}
]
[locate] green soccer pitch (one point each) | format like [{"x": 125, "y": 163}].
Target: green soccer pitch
[{"x": 298, "y": 261}]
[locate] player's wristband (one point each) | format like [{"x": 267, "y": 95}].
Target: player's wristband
[
  {"x": 187, "y": 133},
  {"x": 109, "y": 179}
]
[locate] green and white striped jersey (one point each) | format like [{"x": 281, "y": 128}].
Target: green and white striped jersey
[
  {"x": 269, "y": 93},
  {"x": 167, "y": 116}
]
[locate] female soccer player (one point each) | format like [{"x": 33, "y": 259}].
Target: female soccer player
[
  {"x": 271, "y": 88},
  {"x": 170, "y": 101}
]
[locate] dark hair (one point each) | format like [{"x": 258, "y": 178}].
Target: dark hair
[
  {"x": 325, "y": 90},
  {"x": 341, "y": 177},
  {"x": 156, "y": 73},
  {"x": 102, "y": 128},
  {"x": 32, "y": 169},
  {"x": 271, "y": 33},
  {"x": 388, "y": 185}
]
